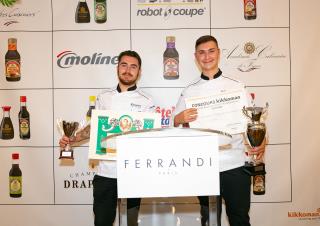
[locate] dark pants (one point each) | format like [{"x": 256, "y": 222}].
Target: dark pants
[
  {"x": 105, "y": 199},
  {"x": 235, "y": 190}
]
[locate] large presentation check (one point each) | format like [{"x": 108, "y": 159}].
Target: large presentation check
[{"x": 222, "y": 111}]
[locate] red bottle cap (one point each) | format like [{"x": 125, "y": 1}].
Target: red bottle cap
[
  {"x": 15, "y": 155},
  {"x": 252, "y": 96},
  {"x": 23, "y": 99},
  {"x": 6, "y": 108}
]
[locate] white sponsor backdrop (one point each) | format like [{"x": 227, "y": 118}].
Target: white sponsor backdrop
[{"x": 282, "y": 70}]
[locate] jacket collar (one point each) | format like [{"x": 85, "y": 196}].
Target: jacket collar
[
  {"x": 204, "y": 77},
  {"x": 129, "y": 89}
]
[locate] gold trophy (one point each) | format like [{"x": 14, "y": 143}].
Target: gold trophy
[
  {"x": 69, "y": 129},
  {"x": 256, "y": 132}
]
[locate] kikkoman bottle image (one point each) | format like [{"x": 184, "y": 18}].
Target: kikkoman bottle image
[
  {"x": 12, "y": 61},
  {"x": 82, "y": 12},
  {"x": 24, "y": 119},
  {"x": 100, "y": 11},
  {"x": 6, "y": 127},
  {"x": 171, "y": 60},
  {"x": 250, "y": 9},
  {"x": 15, "y": 177}
]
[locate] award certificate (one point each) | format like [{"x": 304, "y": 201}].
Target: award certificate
[{"x": 222, "y": 111}]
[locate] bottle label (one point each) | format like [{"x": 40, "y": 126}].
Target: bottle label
[
  {"x": 171, "y": 67},
  {"x": 12, "y": 46},
  {"x": 6, "y": 130},
  {"x": 170, "y": 45},
  {"x": 100, "y": 11},
  {"x": 13, "y": 68},
  {"x": 24, "y": 126},
  {"x": 258, "y": 183},
  {"x": 15, "y": 185},
  {"x": 250, "y": 8},
  {"x": 83, "y": 13}
]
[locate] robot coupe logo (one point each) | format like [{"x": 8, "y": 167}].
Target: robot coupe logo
[
  {"x": 168, "y": 8},
  {"x": 67, "y": 59}
]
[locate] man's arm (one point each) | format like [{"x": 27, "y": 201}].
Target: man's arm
[
  {"x": 186, "y": 116},
  {"x": 82, "y": 135}
]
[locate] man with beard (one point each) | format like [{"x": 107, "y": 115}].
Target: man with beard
[{"x": 124, "y": 97}]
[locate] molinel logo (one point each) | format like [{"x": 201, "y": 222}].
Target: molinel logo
[{"x": 67, "y": 59}]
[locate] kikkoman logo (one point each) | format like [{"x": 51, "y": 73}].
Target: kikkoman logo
[
  {"x": 170, "y": 8},
  {"x": 305, "y": 215},
  {"x": 67, "y": 59}
]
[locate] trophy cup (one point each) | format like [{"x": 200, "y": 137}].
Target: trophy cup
[
  {"x": 69, "y": 129},
  {"x": 256, "y": 131}
]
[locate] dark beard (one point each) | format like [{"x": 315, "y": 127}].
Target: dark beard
[{"x": 127, "y": 83}]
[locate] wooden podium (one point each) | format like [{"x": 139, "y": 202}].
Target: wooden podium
[{"x": 168, "y": 168}]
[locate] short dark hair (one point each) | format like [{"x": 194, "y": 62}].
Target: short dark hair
[
  {"x": 130, "y": 53},
  {"x": 206, "y": 38}
]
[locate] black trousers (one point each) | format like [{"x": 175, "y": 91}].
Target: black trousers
[
  {"x": 235, "y": 187},
  {"x": 105, "y": 199}
]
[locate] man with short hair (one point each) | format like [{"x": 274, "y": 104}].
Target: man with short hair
[
  {"x": 125, "y": 97},
  {"x": 234, "y": 182}
]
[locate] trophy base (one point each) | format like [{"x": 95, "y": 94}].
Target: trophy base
[
  {"x": 254, "y": 169},
  {"x": 66, "y": 154}
]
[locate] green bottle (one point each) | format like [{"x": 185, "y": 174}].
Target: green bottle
[
  {"x": 15, "y": 178},
  {"x": 100, "y": 11}
]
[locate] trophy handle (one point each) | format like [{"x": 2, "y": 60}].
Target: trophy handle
[
  {"x": 266, "y": 108},
  {"x": 265, "y": 111},
  {"x": 245, "y": 112}
]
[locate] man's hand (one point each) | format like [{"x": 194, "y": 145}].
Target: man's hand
[
  {"x": 258, "y": 151},
  {"x": 186, "y": 116},
  {"x": 64, "y": 141},
  {"x": 82, "y": 135}
]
